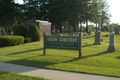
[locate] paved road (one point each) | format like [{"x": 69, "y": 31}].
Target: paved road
[{"x": 51, "y": 74}]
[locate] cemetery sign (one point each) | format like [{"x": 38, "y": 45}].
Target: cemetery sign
[{"x": 62, "y": 42}]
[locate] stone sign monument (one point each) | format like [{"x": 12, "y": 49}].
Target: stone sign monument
[{"x": 43, "y": 26}]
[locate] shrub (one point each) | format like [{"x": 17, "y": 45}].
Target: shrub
[
  {"x": 11, "y": 40},
  {"x": 34, "y": 33},
  {"x": 27, "y": 40},
  {"x": 20, "y": 30}
]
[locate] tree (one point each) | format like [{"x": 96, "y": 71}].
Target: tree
[
  {"x": 59, "y": 11},
  {"x": 8, "y": 14},
  {"x": 104, "y": 16},
  {"x": 90, "y": 10},
  {"x": 34, "y": 33},
  {"x": 72, "y": 12}
]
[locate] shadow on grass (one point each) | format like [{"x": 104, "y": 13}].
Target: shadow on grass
[
  {"x": 105, "y": 36},
  {"x": 102, "y": 53},
  {"x": 33, "y": 63},
  {"x": 3, "y": 73},
  {"x": 71, "y": 60},
  {"x": 88, "y": 45},
  {"x": 86, "y": 37},
  {"x": 118, "y": 57},
  {"x": 26, "y": 51}
]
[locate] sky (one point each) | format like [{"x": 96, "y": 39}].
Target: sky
[{"x": 113, "y": 10}]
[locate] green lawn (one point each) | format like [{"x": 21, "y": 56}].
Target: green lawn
[
  {"x": 95, "y": 58},
  {"x": 13, "y": 76}
]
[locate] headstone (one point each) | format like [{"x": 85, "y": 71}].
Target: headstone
[
  {"x": 117, "y": 31},
  {"x": 90, "y": 32},
  {"x": 84, "y": 33},
  {"x": 71, "y": 34},
  {"x": 76, "y": 33},
  {"x": 58, "y": 34},
  {"x": 97, "y": 37},
  {"x": 8, "y": 33},
  {"x": 111, "y": 47},
  {"x": 111, "y": 28},
  {"x": 107, "y": 35},
  {"x": 43, "y": 26},
  {"x": 101, "y": 40},
  {"x": 11, "y": 32},
  {"x": 99, "y": 27},
  {"x": 54, "y": 31}
]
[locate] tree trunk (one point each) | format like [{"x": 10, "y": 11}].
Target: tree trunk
[
  {"x": 101, "y": 27},
  {"x": 60, "y": 27},
  {"x": 3, "y": 31},
  {"x": 80, "y": 26},
  {"x": 86, "y": 26},
  {"x": 101, "y": 24},
  {"x": 96, "y": 26},
  {"x": 74, "y": 27},
  {"x": 69, "y": 30}
]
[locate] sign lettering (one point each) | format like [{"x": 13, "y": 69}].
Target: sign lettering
[{"x": 62, "y": 42}]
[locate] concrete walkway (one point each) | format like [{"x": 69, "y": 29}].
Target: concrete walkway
[{"x": 51, "y": 74}]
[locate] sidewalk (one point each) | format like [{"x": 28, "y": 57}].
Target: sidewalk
[{"x": 51, "y": 74}]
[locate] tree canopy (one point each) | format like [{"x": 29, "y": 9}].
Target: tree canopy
[{"x": 58, "y": 12}]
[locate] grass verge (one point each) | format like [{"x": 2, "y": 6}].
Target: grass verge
[
  {"x": 95, "y": 58},
  {"x": 13, "y": 76}
]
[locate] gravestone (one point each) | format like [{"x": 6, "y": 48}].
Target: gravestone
[
  {"x": 111, "y": 47},
  {"x": 11, "y": 32},
  {"x": 58, "y": 34},
  {"x": 90, "y": 32},
  {"x": 97, "y": 37},
  {"x": 54, "y": 31},
  {"x": 84, "y": 33},
  {"x": 43, "y": 26},
  {"x": 117, "y": 31},
  {"x": 107, "y": 35},
  {"x": 111, "y": 28},
  {"x": 99, "y": 27},
  {"x": 71, "y": 34},
  {"x": 76, "y": 33}
]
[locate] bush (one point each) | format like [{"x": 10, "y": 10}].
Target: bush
[
  {"x": 34, "y": 33},
  {"x": 11, "y": 40},
  {"x": 20, "y": 30},
  {"x": 27, "y": 40}
]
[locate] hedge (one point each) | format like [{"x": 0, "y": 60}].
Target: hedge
[
  {"x": 11, "y": 40},
  {"x": 34, "y": 33},
  {"x": 27, "y": 39},
  {"x": 20, "y": 30}
]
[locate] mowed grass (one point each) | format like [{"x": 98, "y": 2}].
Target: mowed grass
[
  {"x": 95, "y": 58},
  {"x": 13, "y": 76}
]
